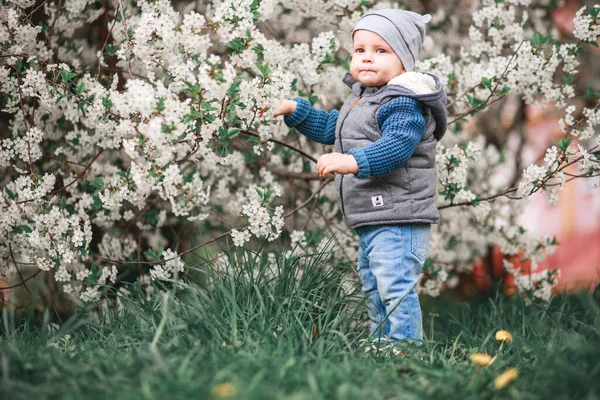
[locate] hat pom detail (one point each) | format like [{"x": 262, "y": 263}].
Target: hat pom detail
[{"x": 426, "y": 18}]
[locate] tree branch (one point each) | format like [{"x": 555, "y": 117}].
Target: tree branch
[
  {"x": 284, "y": 144},
  {"x": 213, "y": 239},
  {"x": 64, "y": 187}
]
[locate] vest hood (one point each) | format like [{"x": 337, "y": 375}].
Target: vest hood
[{"x": 423, "y": 87}]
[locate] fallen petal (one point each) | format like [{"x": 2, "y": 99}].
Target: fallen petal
[
  {"x": 506, "y": 377},
  {"x": 504, "y": 336}
]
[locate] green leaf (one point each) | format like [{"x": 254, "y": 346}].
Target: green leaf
[
  {"x": 595, "y": 44},
  {"x": 25, "y": 228},
  {"x": 264, "y": 69},
  {"x": 486, "y": 82},
  {"x": 564, "y": 144},
  {"x": 151, "y": 254},
  {"x": 94, "y": 276},
  {"x": 206, "y": 105},
  {"x": 97, "y": 204},
  {"x": 226, "y": 134},
  {"x": 267, "y": 196},
  {"x": 106, "y": 102},
  {"x": 259, "y": 49},
  {"x": 234, "y": 89},
  {"x": 20, "y": 67},
  {"x": 569, "y": 80},
  {"x": 151, "y": 217},
  {"x": 160, "y": 106},
  {"x": 236, "y": 46},
  {"x": 111, "y": 49},
  {"x": 80, "y": 88},
  {"x": 453, "y": 160},
  {"x": 451, "y": 244},
  {"x": 538, "y": 40},
  {"x": 63, "y": 201},
  {"x": 10, "y": 194},
  {"x": 188, "y": 178},
  {"x": 82, "y": 250},
  {"x": 474, "y": 101},
  {"x": 98, "y": 182},
  {"x": 590, "y": 93},
  {"x": 67, "y": 75},
  {"x": 130, "y": 32},
  {"x": 505, "y": 90},
  {"x": 165, "y": 128},
  {"x": 593, "y": 11}
]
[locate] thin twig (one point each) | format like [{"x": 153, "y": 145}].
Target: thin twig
[
  {"x": 482, "y": 105},
  {"x": 64, "y": 187},
  {"x": 289, "y": 146},
  {"x": 22, "y": 283},
  {"x": 212, "y": 240},
  {"x": 18, "y": 271},
  {"x": 514, "y": 189}
]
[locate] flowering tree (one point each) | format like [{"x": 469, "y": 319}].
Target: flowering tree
[{"x": 132, "y": 127}]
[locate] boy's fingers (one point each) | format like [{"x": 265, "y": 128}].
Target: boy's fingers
[{"x": 320, "y": 165}]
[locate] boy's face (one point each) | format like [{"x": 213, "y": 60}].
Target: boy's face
[{"x": 374, "y": 62}]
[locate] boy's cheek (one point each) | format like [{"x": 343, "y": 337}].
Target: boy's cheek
[{"x": 354, "y": 69}]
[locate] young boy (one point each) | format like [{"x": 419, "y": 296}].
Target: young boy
[{"x": 384, "y": 163}]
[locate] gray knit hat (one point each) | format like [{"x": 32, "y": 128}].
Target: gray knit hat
[{"x": 403, "y": 30}]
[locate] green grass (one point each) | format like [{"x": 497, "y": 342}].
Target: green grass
[{"x": 255, "y": 331}]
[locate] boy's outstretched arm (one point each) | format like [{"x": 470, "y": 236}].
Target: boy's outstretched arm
[
  {"x": 402, "y": 127},
  {"x": 315, "y": 124}
]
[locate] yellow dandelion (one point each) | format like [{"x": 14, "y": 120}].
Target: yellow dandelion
[
  {"x": 482, "y": 359},
  {"x": 504, "y": 336},
  {"x": 224, "y": 390},
  {"x": 506, "y": 377}
]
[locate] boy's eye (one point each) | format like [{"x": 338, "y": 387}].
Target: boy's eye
[
  {"x": 381, "y": 50},
  {"x": 359, "y": 50}
]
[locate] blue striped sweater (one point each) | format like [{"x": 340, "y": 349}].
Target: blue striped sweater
[{"x": 401, "y": 123}]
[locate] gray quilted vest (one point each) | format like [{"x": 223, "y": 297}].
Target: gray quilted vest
[{"x": 407, "y": 195}]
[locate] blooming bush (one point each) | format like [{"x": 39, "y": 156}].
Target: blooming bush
[{"x": 129, "y": 125}]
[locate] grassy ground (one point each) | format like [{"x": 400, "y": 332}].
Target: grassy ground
[{"x": 293, "y": 332}]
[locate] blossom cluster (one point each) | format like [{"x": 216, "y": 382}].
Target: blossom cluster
[
  {"x": 125, "y": 144},
  {"x": 262, "y": 221}
]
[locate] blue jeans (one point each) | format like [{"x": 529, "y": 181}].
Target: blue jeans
[{"x": 390, "y": 258}]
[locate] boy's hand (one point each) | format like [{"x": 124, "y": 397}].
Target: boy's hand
[
  {"x": 337, "y": 162},
  {"x": 286, "y": 107}
]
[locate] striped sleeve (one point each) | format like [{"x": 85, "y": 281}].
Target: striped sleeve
[
  {"x": 402, "y": 126},
  {"x": 315, "y": 124}
]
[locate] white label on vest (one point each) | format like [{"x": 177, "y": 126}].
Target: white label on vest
[{"x": 377, "y": 201}]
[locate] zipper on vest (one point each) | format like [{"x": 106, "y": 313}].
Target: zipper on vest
[{"x": 342, "y": 148}]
